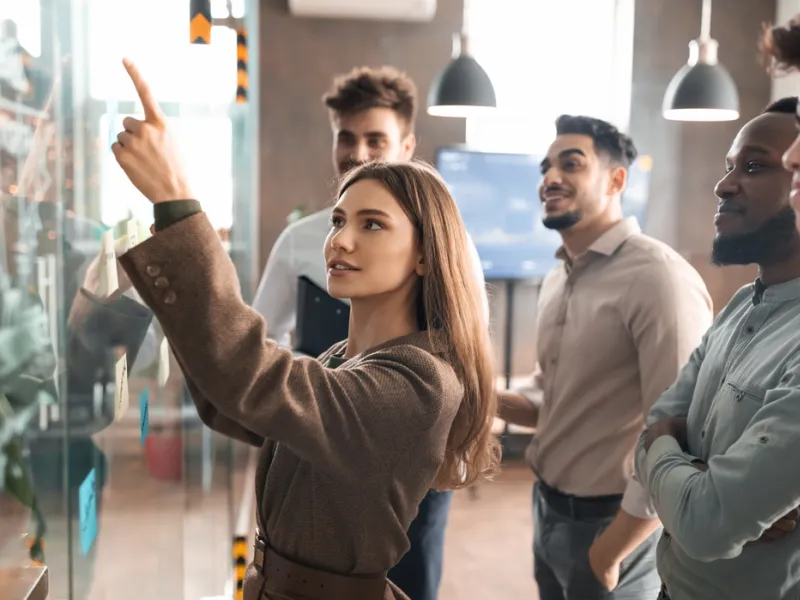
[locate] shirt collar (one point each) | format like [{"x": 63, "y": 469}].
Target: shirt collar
[
  {"x": 779, "y": 292},
  {"x": 608, "y": 243}
]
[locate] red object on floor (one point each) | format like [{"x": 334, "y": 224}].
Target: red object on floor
[{"x": 164, "y": 453}]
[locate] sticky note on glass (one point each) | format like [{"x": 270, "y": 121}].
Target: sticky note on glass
[
  {"x": 144, "y": 415},
  {"x": 144, "y": 232},
  {"x": 132, "y": 231},
  {"x": 109, "y": 278},
  {"x": 121, "y": 388},
  {"x": 87, "y": 515},
  {"x": 112, "y": 107},
  {"x": 163, "y": 363}
]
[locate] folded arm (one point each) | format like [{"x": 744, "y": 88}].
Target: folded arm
[
  {"x": 712, "y": 514},
  {"x": 675, "y": 402}
]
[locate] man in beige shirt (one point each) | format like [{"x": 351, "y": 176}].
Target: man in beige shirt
[{"x": 617, "y": 320}]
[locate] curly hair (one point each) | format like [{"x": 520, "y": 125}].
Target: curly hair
[
  {"x": 608, "y": 140},
  {"x": 779, "y": 47},
  {"x": 364, "y": 88}
]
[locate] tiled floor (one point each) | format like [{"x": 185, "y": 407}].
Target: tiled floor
[{"x": 488, "y": 546}]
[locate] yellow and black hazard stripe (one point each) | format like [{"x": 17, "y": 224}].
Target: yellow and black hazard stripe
[
  {"x": 200, "y": 21},
  {"x": 241, "y": 65},
  {"x": 239, "y": 565}
]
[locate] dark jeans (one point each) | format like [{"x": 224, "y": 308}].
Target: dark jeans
[
  {"x": 561, "y": 559},
  {"x": 419, "y": 572}
]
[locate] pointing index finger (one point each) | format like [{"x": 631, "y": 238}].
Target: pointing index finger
[{"x": 152, "y": 111}]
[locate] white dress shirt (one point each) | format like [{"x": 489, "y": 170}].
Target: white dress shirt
[{"x": 297, "y": 252}]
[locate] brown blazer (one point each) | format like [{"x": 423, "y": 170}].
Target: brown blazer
[{"x": 347, "y": 454}]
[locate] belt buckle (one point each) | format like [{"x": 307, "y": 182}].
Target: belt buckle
[{"x": 259, "y": 552}]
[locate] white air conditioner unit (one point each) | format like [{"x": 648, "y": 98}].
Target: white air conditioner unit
[{"x": 372, "y": 10}]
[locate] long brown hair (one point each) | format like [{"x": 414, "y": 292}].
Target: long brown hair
[{"x": 450, "y": 303}]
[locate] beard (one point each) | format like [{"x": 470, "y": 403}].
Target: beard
[
  {"x": 563, "y": 221},
  {"x": 773, "y": 242}
]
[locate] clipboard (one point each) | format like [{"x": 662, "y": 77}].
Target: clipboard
[{"x": 322, "y": 320}]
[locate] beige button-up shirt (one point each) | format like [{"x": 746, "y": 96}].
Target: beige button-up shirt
[{"x": 614, "y": 328}]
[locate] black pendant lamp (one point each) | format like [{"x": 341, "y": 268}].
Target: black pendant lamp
[
  {"x": 702, "y": 90},
  {"x": 462, "y": 89}
]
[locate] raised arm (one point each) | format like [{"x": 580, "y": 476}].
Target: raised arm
[
  {"x": 186, "y": 277},
  {"x": 184, "y": 274}
]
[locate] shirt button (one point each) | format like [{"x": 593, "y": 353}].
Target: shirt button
[
  {"x": 750, "y": 330},
  {"x": 152, "y": 270},
  {"x": 739, "y": 396},
  {"x": 703, "y": 433},
  {"x": 161, "y": 282},
  {"x": 170, "y": 297}
]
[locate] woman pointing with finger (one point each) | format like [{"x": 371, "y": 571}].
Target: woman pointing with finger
[{"x": 351, "y": 442}]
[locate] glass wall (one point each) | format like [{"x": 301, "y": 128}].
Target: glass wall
[{"x": 106, "y": 474}]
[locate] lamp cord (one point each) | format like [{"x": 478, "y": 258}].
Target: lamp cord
[{"x": 705, "y": 21}]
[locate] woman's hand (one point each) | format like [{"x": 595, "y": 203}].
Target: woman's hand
[{"x": 147, "y": 152}]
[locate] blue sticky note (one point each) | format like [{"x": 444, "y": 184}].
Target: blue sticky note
[
  {"x": 144, "y": 414},
  {"x": 87, "y": 517}
]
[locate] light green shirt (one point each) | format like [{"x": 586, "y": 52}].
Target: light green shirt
[{"x": 741, "y": 392}]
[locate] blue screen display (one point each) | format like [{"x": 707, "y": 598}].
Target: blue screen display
[{"x": 498, "y": 196}]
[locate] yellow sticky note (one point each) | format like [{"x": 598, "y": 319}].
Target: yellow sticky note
[
  {"x": 121, "y": 388},
  {"x": 109, "y": 280},
  {"x": 163, "y": 363}
]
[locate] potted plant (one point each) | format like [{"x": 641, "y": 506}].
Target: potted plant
[{"x": 27, "y": 371}]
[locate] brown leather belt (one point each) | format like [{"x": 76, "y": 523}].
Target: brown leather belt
[{"x": 287, "y": 577}]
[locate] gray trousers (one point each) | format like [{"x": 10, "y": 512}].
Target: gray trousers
[{"x": 561, "y": 559}]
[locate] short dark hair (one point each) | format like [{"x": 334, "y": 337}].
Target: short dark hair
[
  {"x": 607, "y": 139},
  {"x": 779, "y": 46},
  {"x": 364, "y": 88},
  {"x": 786, "y": 105}
]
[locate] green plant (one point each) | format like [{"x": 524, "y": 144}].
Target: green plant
[{"x": 27, "y": 381}]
